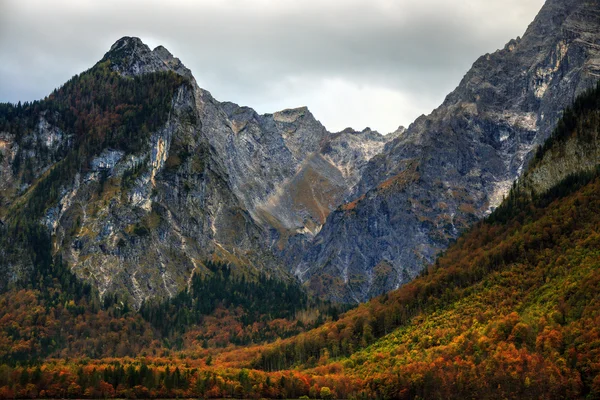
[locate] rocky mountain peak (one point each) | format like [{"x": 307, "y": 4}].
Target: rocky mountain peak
[
  {"x": 129, "y": 44},
  {"x": 130, "y": 56},
  {"x": 292, "y": 114},
  {"x": 163, "y": 53},
  {"x": 401, "y": 130},
  {"x": 126, "y": 52},
  {"x": 172, "y": 62},
  {"x": 352, "y": 131}
]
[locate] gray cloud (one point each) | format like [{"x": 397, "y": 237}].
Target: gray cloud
[{"x": 377, "y": 63}]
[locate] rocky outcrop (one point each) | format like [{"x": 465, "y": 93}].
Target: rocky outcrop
[
  {"x": 454, "y": 166},
  {"x": 129, "y": 56},
  {"x": 351, "y": 150},
  {"x": 42, "y": 147},
  {"x": 572, "y": 152}
]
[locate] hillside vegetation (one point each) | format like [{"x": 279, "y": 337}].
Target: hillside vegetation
[{"x": 511, "y": 310}]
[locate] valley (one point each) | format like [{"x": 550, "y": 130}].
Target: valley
[{"x": 158, "y": 243}]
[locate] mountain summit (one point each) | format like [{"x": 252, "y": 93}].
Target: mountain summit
[{"x": 129, "y": 56}]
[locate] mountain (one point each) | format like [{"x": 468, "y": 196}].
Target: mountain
[
  {"x": 453, "y": 167},
  {"x": 511, "y": 310},
  {"x": 134, "y": 177}
]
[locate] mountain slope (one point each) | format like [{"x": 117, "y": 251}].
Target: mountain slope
[
  {"x": 510, "y": 311},
  {"x": 453, "y": 167}
]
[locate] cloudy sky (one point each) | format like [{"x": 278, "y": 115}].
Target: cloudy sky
[{"x": 358, "y": 63}]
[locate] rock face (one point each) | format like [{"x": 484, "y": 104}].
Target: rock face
[
  {"x": 452, "y": 167},
  {"x": 286, "y": 169},
  {"x": 129, "y": 56},
  {"x": 572, "y": 152},
  {"x": 217, "y": 181},
  {"x": 44, "y": 145}
]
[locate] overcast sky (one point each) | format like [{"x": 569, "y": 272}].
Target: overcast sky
[{"x": 357, "y": 63}]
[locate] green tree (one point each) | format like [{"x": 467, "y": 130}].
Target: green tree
[{"x": 326, "y": 393}]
